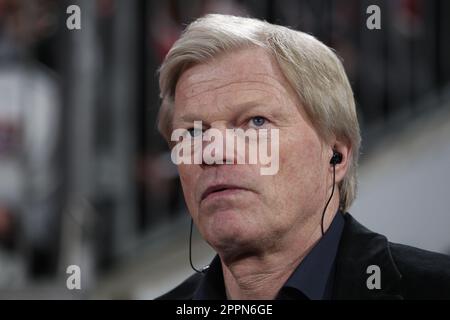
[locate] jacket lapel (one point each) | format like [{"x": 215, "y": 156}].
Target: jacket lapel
[{"x": 360, "y": 248}]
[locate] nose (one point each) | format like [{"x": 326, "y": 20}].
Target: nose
[{"x": 218, "y": 145}]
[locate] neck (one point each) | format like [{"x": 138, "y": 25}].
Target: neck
[{"x": 261, "y": 276}]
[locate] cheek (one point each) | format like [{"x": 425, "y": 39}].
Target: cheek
[
  {"x": 300, "y": 167},
  {"x": 188, "y": 178}
]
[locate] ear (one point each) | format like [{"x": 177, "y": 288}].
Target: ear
[{"x": 345, "y": 150}]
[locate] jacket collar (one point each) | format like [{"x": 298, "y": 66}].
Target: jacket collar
[{"x": 358, "y": 249}]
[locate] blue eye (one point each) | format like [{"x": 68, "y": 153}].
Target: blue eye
[
  {"x": 258, "y": 121},
  {"x": 194, "y": 132}
]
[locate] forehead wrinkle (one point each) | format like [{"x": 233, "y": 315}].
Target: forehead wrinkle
[
  {"x": 246, "y": 99},
  {"x": 193, "y": 94},
  {"x": 222, "y": 74}
]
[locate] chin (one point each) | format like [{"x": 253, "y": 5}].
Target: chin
[
  {"x": 225, "y": 223},
  {"x": 227, "y": 232}
]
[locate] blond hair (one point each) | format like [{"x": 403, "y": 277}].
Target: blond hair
[{"x": 312, "y": 69}]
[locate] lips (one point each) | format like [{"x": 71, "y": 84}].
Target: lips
[{"x": 222, "y": 189}]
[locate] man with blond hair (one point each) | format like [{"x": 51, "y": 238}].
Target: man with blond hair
[{"x": 285, "y": 234}]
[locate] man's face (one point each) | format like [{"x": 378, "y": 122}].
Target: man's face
[{"x": 246, "y": 89}]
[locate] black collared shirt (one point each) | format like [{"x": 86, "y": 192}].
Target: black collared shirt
[{"x": 312, "y": 279}]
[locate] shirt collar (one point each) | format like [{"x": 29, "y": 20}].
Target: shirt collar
[
  {"x": 312, "y": 278},
  {"x": 212, "y": 285}
]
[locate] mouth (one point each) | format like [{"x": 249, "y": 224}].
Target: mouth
[{"x": 221, "y": 190}]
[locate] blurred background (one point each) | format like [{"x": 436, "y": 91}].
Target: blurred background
[{"x": 86, "y": 180}]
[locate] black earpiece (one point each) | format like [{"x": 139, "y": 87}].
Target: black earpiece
[{"x": 336, "y": 158}]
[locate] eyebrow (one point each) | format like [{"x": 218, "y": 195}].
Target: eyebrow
[{"x": 190, "y": 117}]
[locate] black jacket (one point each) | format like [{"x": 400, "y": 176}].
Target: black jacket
[{"x": 406, "y": 272}]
